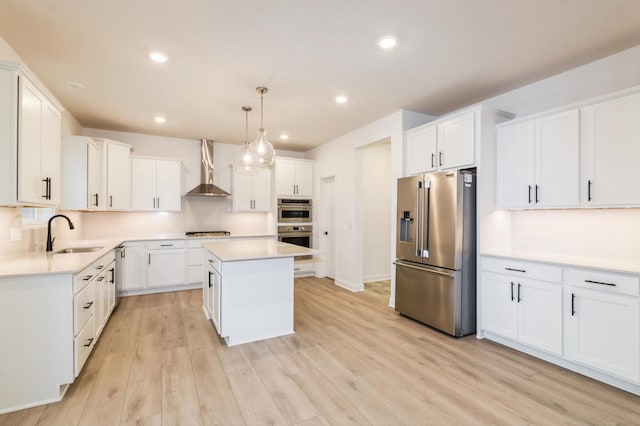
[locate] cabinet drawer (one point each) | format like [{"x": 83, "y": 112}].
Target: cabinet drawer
[
  {"x": 82, "y": 346},
  {"x": 519, "y": 268},
  {"x": 603, "y": 281},
  {"x": 83, "y": 278},
  {"x": 214, "y": 262},
  {"x": 83, "y": 307},
  {"x": 155, "y": 245},
  {"x": 195, "y": 256}
]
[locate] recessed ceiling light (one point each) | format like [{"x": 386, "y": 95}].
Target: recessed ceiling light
[
  {"x": 75, "y": 84},
  {"x": 341, "y": 99},
  {"x": 158, "y": 57},
  {"x": 158, "y": 119},
  {"x": 284, "y": 136},
  {"x": 387, "y": 42}
]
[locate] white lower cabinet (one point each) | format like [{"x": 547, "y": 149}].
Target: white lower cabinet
[
  {"x": 594, "y": 315},
  {"x": 211, "y": 284},
  {"x": 134, "y": 276},
  {"x": 526, "y": 310},
  {"x": 166, "y": 263},
  {"x": 603, "y": 317}
]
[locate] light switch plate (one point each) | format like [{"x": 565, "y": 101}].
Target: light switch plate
[{"x": 16, "y": 234}]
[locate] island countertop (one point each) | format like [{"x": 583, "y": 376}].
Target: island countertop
[{"x": 237, "y": 250}]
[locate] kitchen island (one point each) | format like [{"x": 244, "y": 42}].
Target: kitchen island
[{"x": 248, "y": 288}]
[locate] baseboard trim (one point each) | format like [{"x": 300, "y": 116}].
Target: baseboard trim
[{"x": 349, "y": 286}]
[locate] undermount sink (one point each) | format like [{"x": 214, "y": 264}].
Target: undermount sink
[{"x": 78, "y": 250}]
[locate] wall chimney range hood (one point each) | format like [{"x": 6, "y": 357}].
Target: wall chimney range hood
[{"x": 206, "y": 187}]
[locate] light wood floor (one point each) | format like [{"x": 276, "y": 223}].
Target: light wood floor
[{"x": 352, "y": 361}]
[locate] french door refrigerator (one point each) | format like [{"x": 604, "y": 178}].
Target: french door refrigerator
[{"x": 436, "y": 250}]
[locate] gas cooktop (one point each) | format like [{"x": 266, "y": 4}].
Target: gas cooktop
[{"x": 207, "y": 233}]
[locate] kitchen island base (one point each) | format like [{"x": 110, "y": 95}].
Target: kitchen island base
[{"x": 250, "y": 300}]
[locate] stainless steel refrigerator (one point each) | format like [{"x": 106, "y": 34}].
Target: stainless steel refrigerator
[{"x": 436, "y": 250}]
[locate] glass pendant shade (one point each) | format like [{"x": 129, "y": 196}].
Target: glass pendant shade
[
  {"x": 245, "y": 163},
  {"x": 264, "y": 154}
]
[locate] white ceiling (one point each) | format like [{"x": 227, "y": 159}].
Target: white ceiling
[{"x": 450, "y": 53}]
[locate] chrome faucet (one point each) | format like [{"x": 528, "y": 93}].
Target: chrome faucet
[{"x": 51, "y": 240}]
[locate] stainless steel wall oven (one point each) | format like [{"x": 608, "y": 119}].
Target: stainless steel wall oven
[
  {"x": 294, "y": 210},
  {"x": 300, "y": 235}
]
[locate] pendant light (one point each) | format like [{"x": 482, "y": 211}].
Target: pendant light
[
  {"x": 263, "y": 151},
  {"x": 245, "y": 163}
]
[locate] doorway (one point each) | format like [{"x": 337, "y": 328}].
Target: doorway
[
  {"x": 326, "y": 222},
  {"x": 375, "y": 209}
]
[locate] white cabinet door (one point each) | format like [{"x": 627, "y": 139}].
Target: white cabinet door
[
  {"x": 540, "y": 315},
  {"x": 50, "y": 148},
  {"x": 421, "y": 150},
  {"x": 515, "y": 162},
  {"x": 285, "y": 177},
  {"x": 216, "y": 316},
  {"x": 499, "y": 310},
  {"x": 610, "y": 132},
  {"x": 143, "y": 184},
  {"x": 557, "y": 160},
  {"x": 304, "y": 179},
  {"x": 135, "y": 266},
  {"x": 604, "y": 331},
  {"x": 262, "y": 191},
  {"x": 252, "y": 193},
  {"x": 95, "y": 197},
  {"x": 242, "y": 192},
  {"x": 169, "y": 185},
  {"x": 207, "y": 284},
  {"x": 294, "y": 177},
  {"x": 31, "y": 188},
  {"x": 456, "y": 141},
  {"x": 111, "y": 289},
  {"x": 166, "y": 267},
  {"x": 118, "y": 177}
]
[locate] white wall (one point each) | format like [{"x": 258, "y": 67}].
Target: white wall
[
  {"x": 607, "y": 233},
  {"x": 198, "y": 213},
  {"x": 375, "y": 194},
  {"x": 338, "y": 158}
]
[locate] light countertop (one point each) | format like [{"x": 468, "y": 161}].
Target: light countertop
[
  {"x": 43, "y": 263},
  {"x": 601, "y": 263},
  {"x": 237, "y": 250}
]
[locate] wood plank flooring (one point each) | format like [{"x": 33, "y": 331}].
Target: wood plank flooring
[{"x": 352, "y": 360}]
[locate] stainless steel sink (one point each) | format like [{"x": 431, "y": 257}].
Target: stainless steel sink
[{"x": 78, "y": 250}]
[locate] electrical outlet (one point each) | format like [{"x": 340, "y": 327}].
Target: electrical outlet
[{"x": 16, "y": 234}]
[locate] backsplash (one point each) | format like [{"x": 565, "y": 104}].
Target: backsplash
[{"x": 34, "y": 239}]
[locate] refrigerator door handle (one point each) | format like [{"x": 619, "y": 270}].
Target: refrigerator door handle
[
  {"x": 418, "y": 222},
  {"x": 426, "y": 209},
  {"x": 424, "y": 268}
]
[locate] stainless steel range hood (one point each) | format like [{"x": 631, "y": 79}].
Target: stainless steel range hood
[{"x": 206, "y": 187}]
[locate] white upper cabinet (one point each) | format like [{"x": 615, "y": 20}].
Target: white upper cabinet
[
  {"x": 155, "y": 184},
  {"x": 456, "y": 141},
  {"x": 252, "y": 193},
  {"x": 515, "y": 159},
  {"x": 29, "y": 140},
  {"x": 538, "y": 162},
  {"x": 447, "y": 143},
  {"x": 118, "y": 166},
  {"x": 421, "y": 149},
  {"x": 294, "y": 177},
  {"x": 611, "y": 140},
  {"x": 81, "y": 174}
]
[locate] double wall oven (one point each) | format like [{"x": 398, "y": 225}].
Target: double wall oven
[{"x": 294, "y": 221}]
